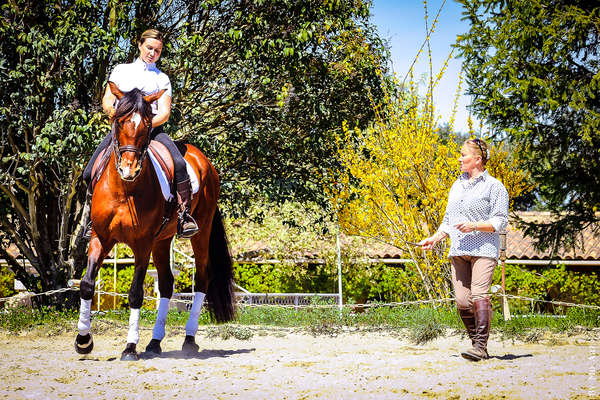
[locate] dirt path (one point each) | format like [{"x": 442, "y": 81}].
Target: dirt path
[{"x": 290, "y": 365}]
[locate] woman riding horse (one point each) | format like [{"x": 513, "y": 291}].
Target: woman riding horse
[
  {"x": 143, "y": 74},
  {"x": 128, "y": 206}
]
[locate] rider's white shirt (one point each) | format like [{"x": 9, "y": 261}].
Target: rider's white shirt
[{"x": 139, "y": 75}]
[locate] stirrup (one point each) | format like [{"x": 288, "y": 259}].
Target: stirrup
[{"x": 186, "y": 226}]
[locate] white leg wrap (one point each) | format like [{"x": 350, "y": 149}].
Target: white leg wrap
[
  {"x": 133, "y": 336},
  {"x": 85, "y": 322},
  {"x": 158, "y": 332},
  {"x": 191, "y": 327}
]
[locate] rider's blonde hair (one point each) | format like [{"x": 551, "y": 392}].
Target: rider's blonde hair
[
  {"x": 151, "y": 34},
  {"x": 480, "y": 147}
]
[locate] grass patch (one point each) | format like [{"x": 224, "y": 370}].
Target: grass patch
[
  {"x": 229, "y": 331},
  {"x": 23, "y": 319}
]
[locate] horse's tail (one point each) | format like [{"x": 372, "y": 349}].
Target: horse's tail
[{"x": 219, "y": 296}]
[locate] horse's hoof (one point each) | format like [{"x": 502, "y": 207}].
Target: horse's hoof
[
  {"x": 189, "y": 345},
  {"x": 84, "y": 344},
  {"x": 129, "y": 354},
  {"x": 154, "y": 347}
]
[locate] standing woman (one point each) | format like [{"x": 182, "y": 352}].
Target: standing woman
[
  {"x": 143, "y": 74},
  {"x": 476, "y": 213}
]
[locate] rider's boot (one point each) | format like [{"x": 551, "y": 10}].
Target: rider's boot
[
  {"x": 186, "y": 225},
  {"x": 87, "y": 233}
]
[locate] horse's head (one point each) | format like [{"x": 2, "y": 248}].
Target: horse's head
[{"x": 131, "y": 127}]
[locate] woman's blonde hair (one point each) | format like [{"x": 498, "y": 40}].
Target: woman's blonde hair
[
  {"x": 480, "y": 147},
  {"x": 151, "y": 34}
]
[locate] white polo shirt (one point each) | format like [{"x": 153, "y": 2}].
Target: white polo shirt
[{"x": 139, "y": 75}]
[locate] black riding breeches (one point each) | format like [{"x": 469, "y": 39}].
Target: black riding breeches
[
  {"x": 181, "y": 173},
  {"x": 156, "y": 134}
]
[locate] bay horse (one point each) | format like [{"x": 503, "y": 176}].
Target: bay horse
[{"x": 128, "y": 207}]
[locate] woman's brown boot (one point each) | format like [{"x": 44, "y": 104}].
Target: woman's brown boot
[
  {"x": 482, "y": 309},
  {"x": 468, "y": 319}
]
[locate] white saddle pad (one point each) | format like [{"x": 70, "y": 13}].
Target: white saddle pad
[{"x": 164, "y": 183}]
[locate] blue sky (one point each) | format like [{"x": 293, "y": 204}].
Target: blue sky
[{"x": 402, "y": 23}]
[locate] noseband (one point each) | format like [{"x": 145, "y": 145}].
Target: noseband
[{"x": 140, "y": 152}]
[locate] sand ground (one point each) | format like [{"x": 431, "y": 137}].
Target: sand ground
[{"x": 291, "y": 364}]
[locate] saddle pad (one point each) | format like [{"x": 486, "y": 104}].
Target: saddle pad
[{"x": 164, "y": 182}]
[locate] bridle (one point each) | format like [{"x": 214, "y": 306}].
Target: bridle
[{"x": 140, "y": 152}]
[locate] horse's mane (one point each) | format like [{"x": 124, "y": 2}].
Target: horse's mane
[{"x": 133, "y": 101}]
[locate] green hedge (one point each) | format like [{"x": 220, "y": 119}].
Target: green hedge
[
  {"x": 360, "y": 282},
  {"x": 124, "y": 278},
  {"x": 7, "y": 279},
  {"x": 550, "y": 283},
  {"x": 365, "y": 283}
]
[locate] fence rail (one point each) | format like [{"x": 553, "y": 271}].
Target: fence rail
[{"x": 283, "y": 299}]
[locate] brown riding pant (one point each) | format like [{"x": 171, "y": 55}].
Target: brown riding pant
[{"x": 471, "y": 278}]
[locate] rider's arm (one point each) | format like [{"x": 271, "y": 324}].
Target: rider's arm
[
  {"x": 164, "y": 110},
  {"x": 108, "y": 102}
]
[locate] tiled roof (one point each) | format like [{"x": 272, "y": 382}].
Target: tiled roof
[{"x": 519, "y": 246}]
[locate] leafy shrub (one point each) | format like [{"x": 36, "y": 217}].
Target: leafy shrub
[
  {"x": 550, "y": 283},
  {"x": 361, "y": 282},
  {"x": 184, "y": 281},
  {"x": 7, "y": 279},
  {"x": 225, "y": 332},
  {"x": 124, "y": 278}
]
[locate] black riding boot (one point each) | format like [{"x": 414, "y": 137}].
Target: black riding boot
[
  {"x": 186, "y": 225},
  {"x": 87, "y": 209}
]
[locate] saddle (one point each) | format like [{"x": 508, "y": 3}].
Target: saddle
[{"x": 159, "y": 151}]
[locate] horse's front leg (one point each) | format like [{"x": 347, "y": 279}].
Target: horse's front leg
[
  {"x": 161, "y": 257},
  {"x": 136, "y": 298},
  {"x": 96, "y": 253}
]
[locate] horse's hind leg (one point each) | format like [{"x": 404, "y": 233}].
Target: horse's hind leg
[
  {"x": 200, "y": 243},
  {"x": 96, "y": 253},
  {"x": 161, "y": 257}
]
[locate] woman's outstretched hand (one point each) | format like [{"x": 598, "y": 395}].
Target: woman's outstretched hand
[{"x": 430, "y": 242}]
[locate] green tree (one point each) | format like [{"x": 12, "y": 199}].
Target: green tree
[
  {"x": 261, "y": 86},
  {"x": 532, "y": 69}
]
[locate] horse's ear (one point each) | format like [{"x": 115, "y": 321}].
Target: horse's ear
[
  {"x": 115, "y": 90},
  {"x": 151, "y": 98}
]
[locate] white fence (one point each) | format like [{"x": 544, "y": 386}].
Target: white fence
[{"x": 283, "y": 299}]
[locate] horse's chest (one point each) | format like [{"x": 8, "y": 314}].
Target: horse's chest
[{"x": 133, "y": 213}]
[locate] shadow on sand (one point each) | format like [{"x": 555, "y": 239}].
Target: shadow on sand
[
  {"x": 508, "y": 357},
  {"x": 199, "y": 355}
]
